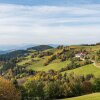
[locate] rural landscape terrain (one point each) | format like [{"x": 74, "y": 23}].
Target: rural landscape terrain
[
  {"x": 44, "y": 72},
  {"x": 49, "y": 49}
]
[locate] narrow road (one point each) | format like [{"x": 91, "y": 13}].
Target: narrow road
[{"x": 96, "y": 65}]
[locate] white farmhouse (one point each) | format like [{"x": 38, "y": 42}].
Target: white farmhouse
[{"x": 80, "y": 55}]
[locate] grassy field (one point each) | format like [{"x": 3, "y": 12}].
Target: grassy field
[
  {"x": 94, "y": 96},
  {"x": 38, "y": 66},
  {"x": 84, "y": 70}
]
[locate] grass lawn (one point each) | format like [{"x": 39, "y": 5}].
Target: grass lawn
[
  {"x": 88, "y": 69},
  {"x": 94, "y": 96},
  {"x": 38, "y": 66},
  {"x": 24, "y": 61}
]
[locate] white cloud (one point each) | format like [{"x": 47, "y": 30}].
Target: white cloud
[{"x": 49, "y": 24}]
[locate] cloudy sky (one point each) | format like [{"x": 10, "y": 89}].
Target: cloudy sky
[{"x": 49, "y": 21}]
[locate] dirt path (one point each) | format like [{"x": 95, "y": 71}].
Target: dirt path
[{"x": 95, "y": 64}]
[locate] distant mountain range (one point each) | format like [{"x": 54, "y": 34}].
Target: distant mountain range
[
  {"x": 21, "y": 47},
  {"x": 37, "y": 48},
  {"x": 3, "y": 52},
  {"x": 20, "y": 53},
  {"x": 9, "y": 48},
  {"x": 14, "y": 47},
  {"x": 41, "y": 47}
]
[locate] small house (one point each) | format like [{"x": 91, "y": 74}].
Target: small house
[{"x": 80, "y": 55}]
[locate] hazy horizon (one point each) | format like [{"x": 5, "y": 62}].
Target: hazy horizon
[
  {"x": 49, "y": 22},
  {"x": 8, "y": 47}
]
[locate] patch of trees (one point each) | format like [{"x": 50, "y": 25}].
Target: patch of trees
[
  {"x": 12, "y": 55},
  {"x": 11, "y": 70},
  {"x": 8, "y": 90},
  {"x": 42, "y": 54},
  {"x": 98, "y": 43},
  {"x": 91, "y": 44},
  {"x": 65, "y": 51},
  {"x": 97, "y": 56},
  {"x": 21, "y": 71},
  {"x": 63, "y": 55},
  {"x": 40, "y": 47},
  {"x": 61, "y": 86},
  {"x": 88, "y": 44},
  {"x": 35, "y": 54},
  {"x": 75, "y": 64},
  {"x": 49, "y": 86},
  {"x": 8, "y": 65},
  {"x": 50, "y": 59}
]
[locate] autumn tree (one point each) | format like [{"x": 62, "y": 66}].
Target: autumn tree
[{"x": 8, "y": 90}]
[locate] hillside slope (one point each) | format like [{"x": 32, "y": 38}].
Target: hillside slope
[
  {"x": 57, "y": 59},
  {"x": 40, "y": 47},
  {"x": 94, "y": 96},
  {"x": 84, "y": 70}
]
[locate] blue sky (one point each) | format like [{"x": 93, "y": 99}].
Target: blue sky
[
  {"x": 49, "y": 21},
  {"x": 50, "y": 2}
]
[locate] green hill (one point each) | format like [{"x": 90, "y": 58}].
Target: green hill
[
  {"x": 84, "y": 70},
  {"x": 45, "y": 58},
  {"x": 37, "y": 62},
  {"x": 40, "y": 47},
  {"x": 44, "y": 64},
  {"x": 13, "y": 54}
]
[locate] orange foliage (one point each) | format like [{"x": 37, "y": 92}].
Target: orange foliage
[{"x": 8, "y": 91}]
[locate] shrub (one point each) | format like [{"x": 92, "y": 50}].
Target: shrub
[
  {"x": 96, "y": 87},
  {"x": 34, "y": 89},
  {"x": 8, "y": 91},
  {"x": 87, "y": 87}
]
